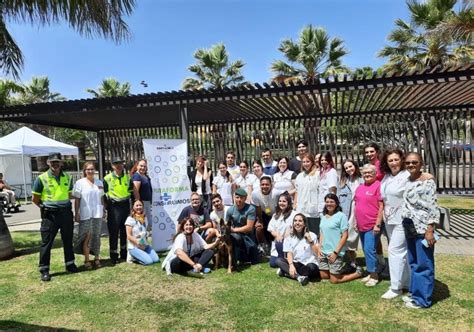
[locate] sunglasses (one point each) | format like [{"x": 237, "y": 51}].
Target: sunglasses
[{"x": 411, "y": 162}]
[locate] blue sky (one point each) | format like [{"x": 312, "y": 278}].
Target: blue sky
[{"x": 166, "y": 34}]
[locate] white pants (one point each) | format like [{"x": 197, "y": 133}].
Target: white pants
[{"x": 398, "y": 257}]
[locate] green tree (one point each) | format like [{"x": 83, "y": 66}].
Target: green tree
[
  {"x": 213, "y": 69},
  {"x": 416, "y": 45},
  {"x": 38, "y": 91},
  {"x": 110, "y": 87},
  {"x": 7, "y": 89},
  {"x": 312, "y": 56},
  {"x": 103, "y": 18}
]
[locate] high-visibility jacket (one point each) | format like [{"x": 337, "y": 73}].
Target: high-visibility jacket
[
  {"x": 118, "y": 188},
  {"x": 54, "y": 192}
]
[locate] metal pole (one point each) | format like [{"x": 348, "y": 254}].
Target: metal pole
[
  {"x": 24, "y": 175},
  {"x": 100, "y": 143}
]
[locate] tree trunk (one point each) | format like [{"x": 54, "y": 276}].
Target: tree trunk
[{"x": 6, "y": 243}]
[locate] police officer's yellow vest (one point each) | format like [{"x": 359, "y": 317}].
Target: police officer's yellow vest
[
  {"x": 53, "y": 191},
  {"x": 118, "y": 188}
]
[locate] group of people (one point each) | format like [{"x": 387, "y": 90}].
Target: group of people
[
  {"x": 128, "y": 224},
  {"x": 301, "y": 213},
  {"x": 309, "y": 219}
]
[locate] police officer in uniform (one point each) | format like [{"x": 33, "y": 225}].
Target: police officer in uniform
[
  {"x": 118, "y": 188},
  {"x": 52, "y": 193}
]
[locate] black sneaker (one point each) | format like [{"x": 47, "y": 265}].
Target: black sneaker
[
  {"x": 45, "y": 276},
  {"x": 303, "y": 280},
  {"x": 72, "y": 268}
]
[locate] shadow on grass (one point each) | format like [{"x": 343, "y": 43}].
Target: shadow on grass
[
  {"x": 27, "y": 243},
  {"x": 14, "y": 325},
  {"x": 441, "y": 292}
]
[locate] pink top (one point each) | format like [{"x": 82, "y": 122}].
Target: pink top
[
  {"x": 379, "y": 174},
  {"x": 367, "y": 198}
]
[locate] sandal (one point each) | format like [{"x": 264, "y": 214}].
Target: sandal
[
  {"x": 97, "y": 263},
  {"x": 87, "y": 265}
]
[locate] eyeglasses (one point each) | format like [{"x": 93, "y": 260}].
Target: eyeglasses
[{"x": 411, "y": 162}]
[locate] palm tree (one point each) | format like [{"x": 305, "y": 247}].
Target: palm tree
[
  {"x": 213, "y": 69},
  {"x": 38, "y": 91},
  {"x": 103, "y": 18},
  {"x": 110, "y": 87},
  {"x": 7, "y": 89},
  {"x": 314, "y": 55},
  {"x": 416, "y": 46},
  {"x": 460, "y": 26}
]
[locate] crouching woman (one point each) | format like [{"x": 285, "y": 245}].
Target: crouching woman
[
  {"x": 190, "y": 253},
  {"x": 301, "y": 248}
]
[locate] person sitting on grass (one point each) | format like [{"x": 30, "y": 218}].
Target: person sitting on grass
[
  {"x": 334, "y": 232},
  {"x": 200, "y": 215},
  {"x": 137, "y": 245},
  {"x": 190, "y": 253},
  {"x": 301, "y": 248},
  {"x": 279, "y": 226}
]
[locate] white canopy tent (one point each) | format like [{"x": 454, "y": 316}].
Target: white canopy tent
[{"x": 25, "y": 142}]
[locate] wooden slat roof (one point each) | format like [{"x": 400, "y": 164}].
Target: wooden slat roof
[{"x": 432, "y": 89}]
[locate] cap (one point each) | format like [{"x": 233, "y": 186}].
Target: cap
[
  {"x": 117, "y": 160},
  {"x": 241, "y": 192},
  {"x": 55, "y": 156}
]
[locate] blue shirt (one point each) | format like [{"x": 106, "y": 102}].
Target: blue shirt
[
  {"x": 145, "y": 186},
  {"x": 332, "y": 228}
]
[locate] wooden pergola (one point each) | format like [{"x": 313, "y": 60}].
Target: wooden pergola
[{"x": 430, "y": 92}]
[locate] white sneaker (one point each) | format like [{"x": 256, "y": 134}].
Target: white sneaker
[
  {"x": 407, "y": 298},
  {"x": 412, "y": 305},
  {"x": 372, "y": 282},
  {"x": 390, "y": 294},
  {"x": 365, "y": 279},
  {"x": 279, "y": 272}
]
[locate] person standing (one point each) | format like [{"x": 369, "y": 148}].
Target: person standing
[
  {"x": 88, "y": 195},
  {"x": 232, "y": 168},
  {"x": 420, "y": 213},
  {"x": 349, "y": 181},
  {"x": 222, "y": 184},
  {"x": 245, "y": 180},
  {"x": 392, "y": 187},
  {"x": 327, "y": 178},
  {"x": 306, "y": 195},
  {"x": 269, "y": 165},
  {"x": 142, "y": 190},
  {"x": 118, "y": 188},
  {"x": 295, "y": 163},
  {"x": 52, "y": 192},
  {"x": 201, "y": 180}
]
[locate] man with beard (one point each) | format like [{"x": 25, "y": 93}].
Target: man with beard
[{"x": 199, "y": 214}]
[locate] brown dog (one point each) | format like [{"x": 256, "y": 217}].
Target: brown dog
[{"x": 225, "y": 246}]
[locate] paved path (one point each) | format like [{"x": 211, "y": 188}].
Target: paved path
[{"x": 459, "y": 240}]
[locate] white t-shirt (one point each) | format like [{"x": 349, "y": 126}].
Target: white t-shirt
[
  {"x": 268, "y": 202},
  {"x": 392, "y": 189},
  {"x": 234, "y": 171},
  {"x": 217, "y": 216},
  {"x": 198, "y": 180},
  {"x": 301, "y": 249},
  {"x": 90, "y": 194},
  {"x": 224, "y": 188},
  {"x": 280, "y": 225},
  {"x": 326, "y": 181},
  {"x": 180, "y": 243},
  {"x": 245, "y": 181},
  {"x": 282, "y": 181},
  {"x": 138, "y": 231},
  {"x": 307, "y": 187}
]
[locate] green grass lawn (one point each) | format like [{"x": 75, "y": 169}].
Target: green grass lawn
[
  {"x": 130, "y": 296},
  {"x": 456, "y": 202}
]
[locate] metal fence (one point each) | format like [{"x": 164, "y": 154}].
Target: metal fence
[{"x": 444, "y": 138}]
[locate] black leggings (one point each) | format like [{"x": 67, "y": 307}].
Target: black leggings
[
  {"x": 178, "y": 266},
  {"x": 310, "y": 270}
]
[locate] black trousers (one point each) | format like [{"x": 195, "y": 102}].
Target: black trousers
[
  {"x": 117, "y": 214},
  {"x": 310, "y": 270},
  {"x": 52, "y": 221},
  {"x": 313, "y": 225},
  {"x": 179, "y": 266},
  {"x": 244, "y": 247}
]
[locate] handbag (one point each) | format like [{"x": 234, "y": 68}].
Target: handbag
[{"x": 409, "y": 228}]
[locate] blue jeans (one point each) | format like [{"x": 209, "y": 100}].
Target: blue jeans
[
  {"x": 369, "y": 244},
  {"x": 273, "y": 259},
  {"x": 422, "y": 266},
  {"x": 145, "y": 257}
]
